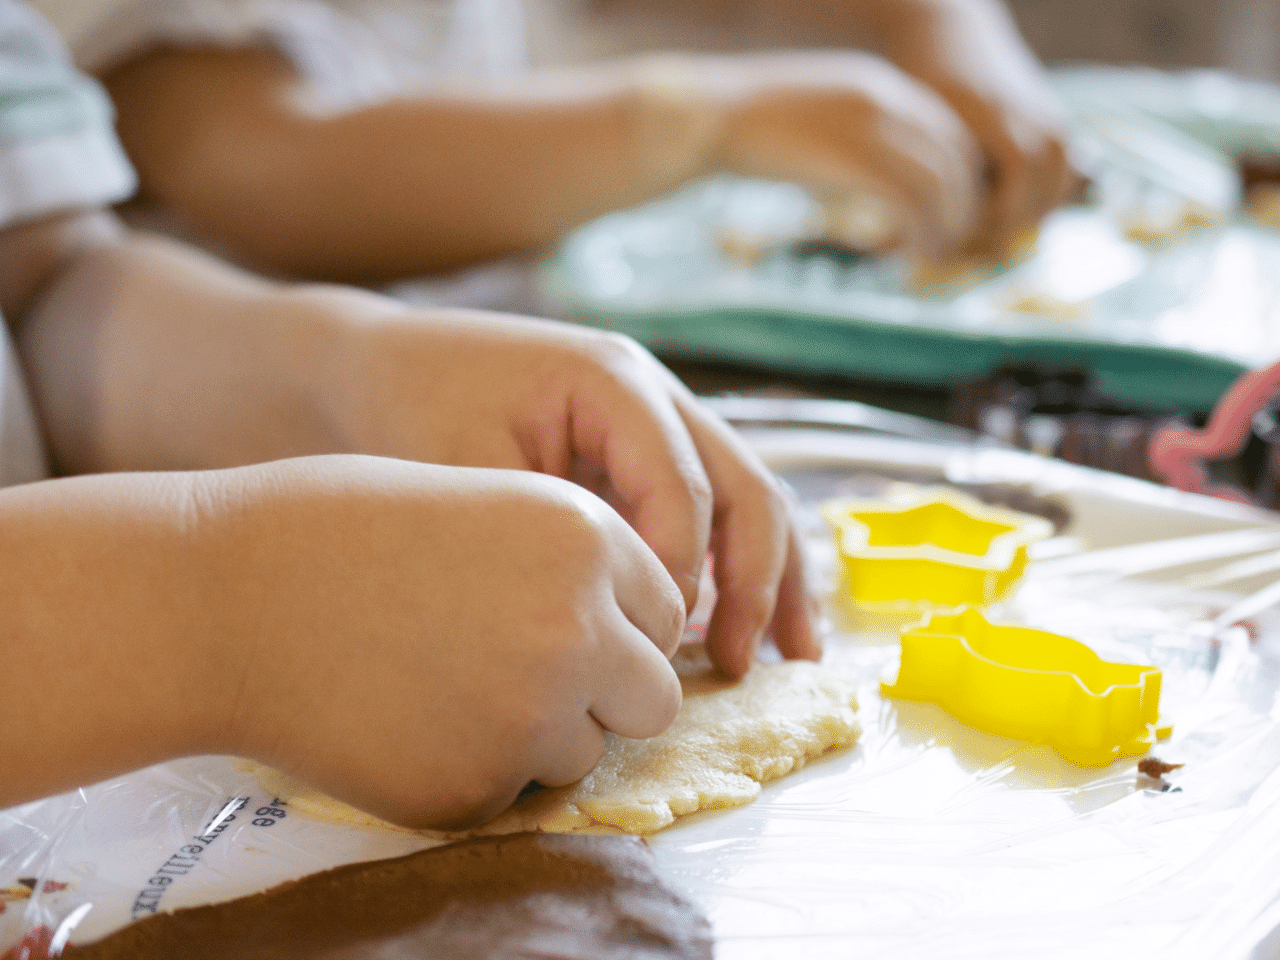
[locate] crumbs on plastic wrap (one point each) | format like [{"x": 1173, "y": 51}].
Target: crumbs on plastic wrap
[{"x": 1154, "y": 769}]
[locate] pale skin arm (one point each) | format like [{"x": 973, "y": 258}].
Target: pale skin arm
[
  {"x": 373, "y": 625},
  {"x": 426, "y": 594},
  {"x": 420, "y": 640},
  {"x": 233, "y": 140},
  {"x": 197, "y": 366}
]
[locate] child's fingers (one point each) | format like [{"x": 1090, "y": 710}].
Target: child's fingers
[
  {"x": 631, "y": 426},
  {"x": 746, "y": 589},
  {"x": 620, "y": 680},
  {"x": 571, "y": 753},
  {"x": 934, "y": 187},
  {"x": 632, "y": 689},
  {"x": 843, "y": 123},
  {"x": 1052, "y": 178},
  {"x": 752, "y": 542},
  {"x": 795, "y": 616},
  {"x": 638, "y": 692},
  {"x": 1030, "y": 175},
  {"x": 1023, "y": 141},
  {"x": 943, "y": 197},
  {"x": 938, "y": 163},
  {"x": 645, "y": 592}
]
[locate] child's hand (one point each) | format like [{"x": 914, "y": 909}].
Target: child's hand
[
  {"x": 971, "y": 54},
  {"x": 423, "y": 641},
  {"x": 255, "y": 372},
  {"x": 842, "y": 123},
  {"x": 460, "y": 388}
]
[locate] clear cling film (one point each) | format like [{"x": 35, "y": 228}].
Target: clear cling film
[{"x": 929, "y": 838}]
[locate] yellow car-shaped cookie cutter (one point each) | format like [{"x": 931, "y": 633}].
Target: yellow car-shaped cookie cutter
[
  {"x": 934, "y": 548},
  {"x": 1031, "y": 685}
]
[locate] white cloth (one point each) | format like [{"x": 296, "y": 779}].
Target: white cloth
[
  {"x": 353, "y": 51},
  {"x": 57, "y": 146},
  {"x": 368, "y": 49},
  {"x": 57, "y": 152}
]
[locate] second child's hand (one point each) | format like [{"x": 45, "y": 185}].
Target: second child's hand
[
  {"x": 970, "y": 52},
  {"x": 458, "y": 388}
]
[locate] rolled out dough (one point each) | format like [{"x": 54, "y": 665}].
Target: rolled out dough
[{"x": 727, "y": 740}]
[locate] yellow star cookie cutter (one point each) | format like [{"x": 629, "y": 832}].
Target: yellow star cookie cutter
[
  {"x": 937, "y": 548},
  {"x": 1031, "y": 685}
]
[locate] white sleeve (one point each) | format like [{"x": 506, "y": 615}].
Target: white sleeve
[
  {"x": 58, "y": 148},
  {"x": 58, "y": 151},
  {"x": 352, "y": 51}
]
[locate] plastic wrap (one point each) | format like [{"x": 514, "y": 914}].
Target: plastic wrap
[{"x": 929, "y": 838}]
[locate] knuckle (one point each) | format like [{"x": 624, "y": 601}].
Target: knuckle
[
  {"x": 665, "y": 705},
  {"x": 775, "y": 502},
  {"x": 698, "y": 488},
  {"x": 581, "y": 519},
  {"x": 616, "y": 352},
  {"x": 470, "y": 802},
  {"x": 756, "y": 608},
  {"x": 675, "y": 617}
]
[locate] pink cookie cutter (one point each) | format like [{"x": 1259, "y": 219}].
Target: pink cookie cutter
[{"x": 1178, "y": 452}]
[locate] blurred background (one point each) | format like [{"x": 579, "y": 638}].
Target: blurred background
[
  {"x": 1090, "y": 375},
  {"x": 1238, "y": 35},
  {"x": 1242, "y": 36}
]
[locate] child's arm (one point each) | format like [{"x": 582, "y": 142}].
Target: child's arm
[
  {"x": 146, "y": 355},
  {"x": 233, "y": 140},
  {"x": 419, "y": 640}
]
